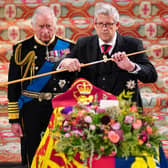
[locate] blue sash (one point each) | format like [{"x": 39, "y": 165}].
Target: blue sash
[{"x": 38, "y": 84}]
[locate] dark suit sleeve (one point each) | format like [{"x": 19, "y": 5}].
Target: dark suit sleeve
[
  {"x": 72, "y": 45},
  {"x": 147, "y": 73},
  {"x": 75, "y": 52},
  {"x": 14, "y": 90}
]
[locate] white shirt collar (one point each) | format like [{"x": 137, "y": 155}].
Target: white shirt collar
[{"x": 112, "y": 43}]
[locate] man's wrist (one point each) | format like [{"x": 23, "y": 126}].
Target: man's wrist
[{"x": 136, "y": 69}]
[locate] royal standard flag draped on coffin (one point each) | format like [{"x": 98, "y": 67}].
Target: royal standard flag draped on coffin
[{"x": 83, "y": 93}]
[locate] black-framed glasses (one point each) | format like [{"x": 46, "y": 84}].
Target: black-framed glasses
[{"x": 101, "y": 25}]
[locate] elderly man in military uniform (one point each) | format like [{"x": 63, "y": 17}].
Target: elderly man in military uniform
[{"x": 29, "y": 104}]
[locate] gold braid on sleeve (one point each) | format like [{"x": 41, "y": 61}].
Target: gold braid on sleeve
[{"x": 29, "y": 59}]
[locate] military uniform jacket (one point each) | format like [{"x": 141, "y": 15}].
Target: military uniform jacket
[
  {"x": 31, "y": 57},
  {"x": 109, "y": 76}
]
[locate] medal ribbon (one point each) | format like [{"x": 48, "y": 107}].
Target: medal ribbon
[{"x": 105, "y": 51}]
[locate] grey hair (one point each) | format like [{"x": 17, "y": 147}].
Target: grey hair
[
  {"x": 41, "y": 11},
  {"x": 107, "y": 9}
]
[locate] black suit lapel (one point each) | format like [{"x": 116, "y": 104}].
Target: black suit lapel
[
  {"x": 119, "y": 44},
  {"x": 92, "y": 55},
  {"x": 115, "y": 70},
  {"x": 96, "y": 48}
]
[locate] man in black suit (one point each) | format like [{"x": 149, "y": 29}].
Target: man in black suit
[{"x": 122, "y": 73}]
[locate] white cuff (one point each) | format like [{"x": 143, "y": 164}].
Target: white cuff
[
  {"x": 59, "y": 66},
  {"x": 137, "y": 68}
]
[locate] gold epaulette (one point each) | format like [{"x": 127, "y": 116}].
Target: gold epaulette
[
  {"x": 20, "y": 41},
  {"x": 65, "y": 39},
  {"x": 13, "y": 110}
]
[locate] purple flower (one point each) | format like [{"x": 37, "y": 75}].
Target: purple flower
[
  {"x": 88, "y": 119},
  {"x": 92, "y": 127},
  {"x": 128, "y": 119},
  {"x": 67, "y": 135},
  {"x": 116, "y": 126},
  {"x": 66, "y": 110},
  {"x": 77, "y": 132}
]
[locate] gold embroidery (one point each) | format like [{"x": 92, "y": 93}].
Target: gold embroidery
[
  {"x": 13, "y": 116},
  {"x": 28, "y": 59},
  {"x": 13, "y": 110}
]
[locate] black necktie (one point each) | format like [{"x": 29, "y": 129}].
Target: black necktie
[{"x": 105, "y": 46}]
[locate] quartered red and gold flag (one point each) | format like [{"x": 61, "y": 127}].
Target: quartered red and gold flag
[{"x": 82, "y": 91}]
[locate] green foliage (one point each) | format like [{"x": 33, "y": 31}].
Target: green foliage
[{"x": 122, "y": 132}]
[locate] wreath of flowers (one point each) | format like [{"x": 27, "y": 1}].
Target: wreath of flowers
[{"x": 114, "y": 131}]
